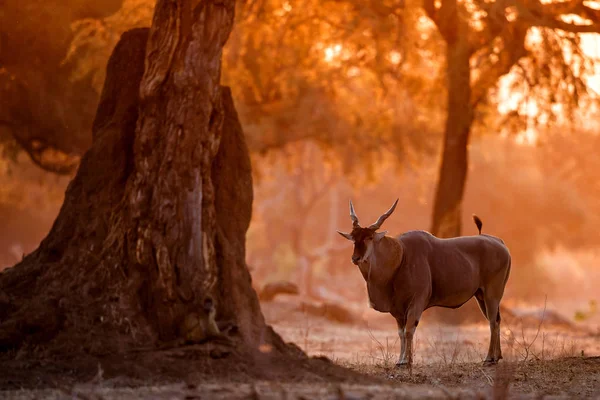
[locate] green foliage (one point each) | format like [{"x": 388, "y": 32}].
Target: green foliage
[
  {"x": 9, "y": 148},
  {"x": 364, "y": 80},
  {"x": 26, "y": 187},
  {"x": 284, "y": 263},
  {"x": 94, "y": 40},
  {"x": 344, "y": 74},
  {"x": 581, "y": 316}
]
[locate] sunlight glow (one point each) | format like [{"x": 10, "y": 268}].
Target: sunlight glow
[
  {"x": 395, "y": 57},
  {"x": 286, "y": 7},
  {"x": 590, "y": 43},
  {"x": 353, "y": 71},
  {"x": 529, "y": 137},
  {"x": 534, "y": 37},
  {"x": 333, "y": 52},
  {"x": 511, "y": 100},
  {"x": 511, "y": 13}
]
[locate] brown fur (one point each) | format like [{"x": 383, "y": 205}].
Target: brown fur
[
  {"x": 199, "y": 327},
  {"x": 415, "y": 271}
]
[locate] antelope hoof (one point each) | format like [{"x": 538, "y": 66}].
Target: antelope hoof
[
  {"x": 402, "y": 364},
  {"x": 490, "y": 362}
]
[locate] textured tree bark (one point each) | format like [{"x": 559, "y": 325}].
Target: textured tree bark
[
  {"x": 450, "y": 188},
  {"x": 170, "y": 196},
  {"x": 156, "y": 216}
]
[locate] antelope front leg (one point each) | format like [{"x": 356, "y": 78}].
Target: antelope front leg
[
  {"x": 409, "y": 333},
  {"x": 401, "y": 325},
  {"x": 412, "y": 320}
]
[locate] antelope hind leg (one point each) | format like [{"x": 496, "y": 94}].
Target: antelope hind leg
[
  {"x": 493, "y": 312},
  {"x": 482, "y": 305}
]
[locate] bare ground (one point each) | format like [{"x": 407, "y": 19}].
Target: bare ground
[{"x": 540, "y": 361}]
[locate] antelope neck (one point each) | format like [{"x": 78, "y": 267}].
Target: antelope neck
[
  {"x": 385, "y": 259},
  {"x": 402, "y": 256}
]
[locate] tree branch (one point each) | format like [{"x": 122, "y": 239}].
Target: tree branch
[
  {"x": 557, "y": 8},
  {"x": 548, "y": 15},
  {"x": 513, "y": 39},
  {"x": 495, "y": 23},
  {"x": 448, "y": 20},
  {"x": 63, "y": 164},
  {"x": 431, "y": 11},
  {"x": 567, "y": 27}
]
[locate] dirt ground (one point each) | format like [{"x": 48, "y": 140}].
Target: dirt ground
[
  {"x": 373, "y": 339},
  {"x": 540, "y": 360}
]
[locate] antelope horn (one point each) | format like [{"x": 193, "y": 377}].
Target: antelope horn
[
  {"x": 385, "y": 216},
  {"x": 353, "y": 216}
]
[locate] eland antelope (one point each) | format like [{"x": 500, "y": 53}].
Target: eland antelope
[{"x": 415, "y": 271}]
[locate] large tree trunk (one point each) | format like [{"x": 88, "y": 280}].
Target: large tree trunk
[
  {"x": 156, "y": 216},
  {"x": 170, "y": 195},
  {"x": 447, "y": 212}
]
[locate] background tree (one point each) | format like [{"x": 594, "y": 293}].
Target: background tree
[
  {"x": 286, "y": 233},
  {"x": 304, "y": 71},
  {"x": 42, "y": 108},
  {"x": 484, "y": 41},
  {"x": 291, "y": 86}
]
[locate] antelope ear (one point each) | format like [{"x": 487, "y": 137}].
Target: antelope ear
[
  {"x": 346, "y": 236},
  {"x": 379, "y": 235}
]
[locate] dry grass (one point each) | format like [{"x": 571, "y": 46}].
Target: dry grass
[
  {"x": 534, "y": 362},
  {"x": 448, "y": 364},
  {"x": 536, "y": 359}
]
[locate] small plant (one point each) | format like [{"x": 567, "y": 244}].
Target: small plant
[
  {"x": 386, "y": 352},
  {"x": 522, "y": 345},
  {"x": 581, "y": 316},
  {"x": 449, "y": 354}
]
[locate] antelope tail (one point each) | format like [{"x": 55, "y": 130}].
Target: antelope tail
[{"x": 478, "y": 223}]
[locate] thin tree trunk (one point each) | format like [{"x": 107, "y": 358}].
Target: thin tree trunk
[{"x": 450, "y": 188}]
